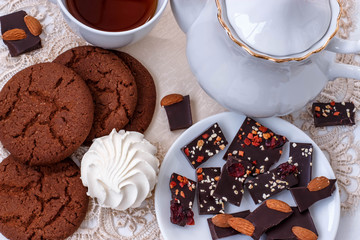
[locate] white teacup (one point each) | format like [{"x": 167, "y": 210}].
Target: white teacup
[{"x": 110, "y": 40}]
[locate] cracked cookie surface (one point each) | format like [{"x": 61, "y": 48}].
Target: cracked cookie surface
[
  {"x": 145, "y": 107},
  {"x": 111, "y": 84},
  {"x": 42, "y": 202},
  {"x": 46, "y": 113}
]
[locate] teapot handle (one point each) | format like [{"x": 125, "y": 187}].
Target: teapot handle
[
  {"x": 339, "y": 45},
  {"x": 340, "y": 70}
]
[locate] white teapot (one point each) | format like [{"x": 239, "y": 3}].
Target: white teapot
[{"x": 264, "y": 58}]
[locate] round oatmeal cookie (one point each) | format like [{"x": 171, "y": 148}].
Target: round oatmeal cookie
[
  {"x": 111, "y": 83},
  {"x": 46, "y": 113},
  {"x": 145, "y": 107},
  {"x": 41, "y": 202}
]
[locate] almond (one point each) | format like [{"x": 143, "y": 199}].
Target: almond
[
  {"x": 318, "y": 184},
  {"x": 33, "y": 25},
  {"x": 171, "y": 99},
  {"x": 242, "y": 225},
  {"x": 221, "y": 220},
  {"x": 278, "y": 205},
  {"x": 14, "y": 34},
  {"x": 303, "y": 233}
]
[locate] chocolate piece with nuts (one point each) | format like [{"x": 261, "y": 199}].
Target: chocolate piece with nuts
[
  {"x": 183, "y": 195},
  {"x": 221, "y": 232},
  {"x": 206, "y": 145},
  {"x": 17, "y": 35},
  {"x": 317, "y": 189},
  {"x": 332, "y": 114},
  {"x": 269, "y": 214},
  {"x": 257, "y": 144},
  {"x": 207, "y": 180},
  {"x": 272, "y": 182},
  {"x": 297, "y": 222},
  {"x": 230, "y": 187},
  {"x": 301, "y": 155},
  {"x": 178, "y": 111}
]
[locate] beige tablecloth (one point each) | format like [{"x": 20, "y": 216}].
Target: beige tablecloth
[{"x": 163, "y": 52}]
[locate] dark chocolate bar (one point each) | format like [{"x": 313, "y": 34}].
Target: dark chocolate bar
[
  {"x": 218, "y": 232},
  {"x": 179, "y": 114},
  {"x": 257, "y": 144},
  {"x": 301, "y": 156},
  {"x": 206, "y": 145},
  {"x": 17, "y": 47},
  {"x": 183, "y": 195},
  {"x": 332, "y": 114},
  {"x": 272, "y": 182},
  {"x": 207, "y": 180},
  {"x": 284, "y": 231},
  {"x": 269, "y": 214},
  {"x": 304, "y": 198},
  {"x": 230, "y": 187}
]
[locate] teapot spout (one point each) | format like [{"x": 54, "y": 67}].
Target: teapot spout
[{"x": 186, "y": 12}]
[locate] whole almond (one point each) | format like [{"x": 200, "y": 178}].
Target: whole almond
[
  {"x": 33, "y": 25},
  {"x": 171, "y": 99},
  {"x": 303, "y": 233},
  {"x": 14, "y": 34},
  {"x": 242, "y": 225},
  {"x": 278, "y": 205},
  {"x": 318, "y": 184},
  {"x": 221, "y": 220}
]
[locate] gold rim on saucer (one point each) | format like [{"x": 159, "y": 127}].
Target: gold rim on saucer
[{"x": 278, "y": 60}]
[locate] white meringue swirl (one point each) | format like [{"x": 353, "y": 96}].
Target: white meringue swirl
[{"x": 120, "y": 169}]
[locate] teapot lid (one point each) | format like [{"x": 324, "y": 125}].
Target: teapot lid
[{"x": 281, "y": 29}]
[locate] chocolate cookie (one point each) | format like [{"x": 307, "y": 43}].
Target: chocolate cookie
[
  {"x": 46, "y": 112},
  {"x": 46, "y": 202},
  {"x": 112, "y": 86},
  {"x": 145, "y": 107}
]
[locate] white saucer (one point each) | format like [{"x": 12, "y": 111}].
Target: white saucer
[{"x": 325, "y": 213}]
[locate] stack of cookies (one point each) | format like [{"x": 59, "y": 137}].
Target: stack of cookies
[{"x": 46, "y": 112}]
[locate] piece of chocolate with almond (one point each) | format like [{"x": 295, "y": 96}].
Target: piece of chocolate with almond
[
  {"x": 273, "y": 182},
  {"x": 333, "y": 114},
  {"x": 230, "y": 187},
  {"x": 269, "y": 214},
  {"x": 16, "y": 21},
  {"x": 178, "y": 111},
  {"x": 183, "y": 195},
  {"x": 319, "y": 188},
  {"x": 285, "y": 230},
  {"x": 301, "y": 155},
  {"x": 207, "y": 180},
  {"x": 206, "y": 145},
  {"x": 220, "y": 232},
  {"x": 256, "y": 144}
]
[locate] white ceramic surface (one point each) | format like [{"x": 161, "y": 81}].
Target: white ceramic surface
[
  {"x": 251, "y": 85},
  {"x": 286, "y": 28},
  {"x": 325, "y": 213},
  {"x": 110, "y": 40}
]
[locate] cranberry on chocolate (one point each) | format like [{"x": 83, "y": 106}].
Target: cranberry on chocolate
[
  {"x": 236, "y": 170},
  {"x": 285, "y": 169},
  {"x": 206, "y": 145},
  {"x": 180, "y": 215},
  {"x": 257, "y": 144}
]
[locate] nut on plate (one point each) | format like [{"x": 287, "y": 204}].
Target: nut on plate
[
  {"x": 318, "y": 184},
  {"x": 221, "y": 220},
  {"x": 242, "y": 225},
  {"x": 303, "y": 233},
  {"x": 171, "y": 99},
  {"x": 278, "y": 205}
]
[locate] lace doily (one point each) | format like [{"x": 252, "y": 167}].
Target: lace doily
[{"x": 163, "y": 52}]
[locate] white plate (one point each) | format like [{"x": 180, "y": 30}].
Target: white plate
[{"x": 325, "y": 213}]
